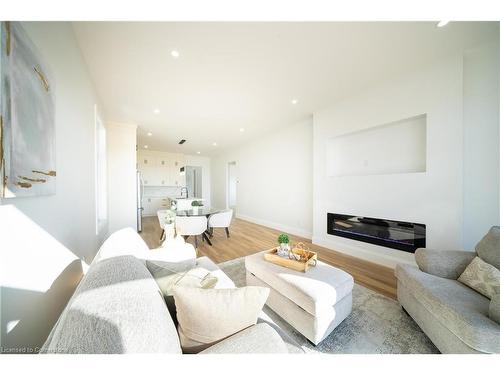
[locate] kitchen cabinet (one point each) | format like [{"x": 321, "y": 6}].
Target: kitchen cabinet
[
  {"x": 176, "y": 179},
  {"x": 161, "y": 168},
  {"x": 151, "y": 205},
  {"x": 147, "y": 206},
  {"x": 163, "y": 160},
  {"x": 145, "y": 160}
]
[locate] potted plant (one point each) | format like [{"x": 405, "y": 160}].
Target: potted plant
[
  {"x": 196, "y": 205},
  {"x": 284, "y": 245}
]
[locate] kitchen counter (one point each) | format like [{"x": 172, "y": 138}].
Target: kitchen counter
[{"x": 184, "y": 203}]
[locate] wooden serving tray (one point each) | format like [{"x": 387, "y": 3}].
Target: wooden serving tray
[{"x": 309, "y": 259}]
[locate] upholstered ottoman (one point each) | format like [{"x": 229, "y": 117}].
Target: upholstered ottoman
[{"x": 314, "y": 303}]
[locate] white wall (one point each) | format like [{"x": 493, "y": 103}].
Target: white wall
[
  {"x": 274, "y": 176},
  {"x": 42, "y": 239},
  {"x": 359, "y": 152},
  {"x": 433, "y": 198},
  {"x": 122, "y": 167},
  {"x": 457, "y": 197},
  {"x": 481, "y": 142}
]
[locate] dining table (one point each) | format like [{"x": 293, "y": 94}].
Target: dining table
[{"x": 201, "y": 211}]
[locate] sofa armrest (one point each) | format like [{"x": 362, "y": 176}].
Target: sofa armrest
[
  {"x": 122, "y": 242},
  {"x": 494, "y": 312},
  {"x": 259, "y": 338},
  {"x": 446, "y": 264}
]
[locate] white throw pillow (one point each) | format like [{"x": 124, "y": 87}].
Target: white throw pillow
[
  {"x": 482, "y": 277},
  {"x": 206, "y": 316}
]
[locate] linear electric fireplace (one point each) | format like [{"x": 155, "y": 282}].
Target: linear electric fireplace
[{"x": 395, "y": 234}]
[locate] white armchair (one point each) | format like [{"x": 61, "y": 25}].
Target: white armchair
[
  {"x": 220, "y": 220},
  {"x": 186, "y": 226}
]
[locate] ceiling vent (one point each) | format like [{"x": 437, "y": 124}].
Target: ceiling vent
[{"x": 182, "y": 141}]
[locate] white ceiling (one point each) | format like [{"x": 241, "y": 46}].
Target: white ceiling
[{"x": 244, "y": 75}]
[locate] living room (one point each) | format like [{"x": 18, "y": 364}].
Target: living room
[{"x": 250, "y": 187}]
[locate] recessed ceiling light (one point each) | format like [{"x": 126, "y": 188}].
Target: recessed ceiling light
[
  {"x": 150, "y": 134},
  {"x": 294, "y": 101},
  {"x": 146, "y": 146},
  {"x": 214, "y": 144},
  {"x": 198, "y": 152},
  {"x": 156, "y": 111},
  {"x": 175, "y": 54},
  {"x": 242, "y": 130},
  {"x": 442, "y": 23}
]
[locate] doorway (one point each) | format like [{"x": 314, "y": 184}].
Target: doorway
[{"x": 232, "y": 181}]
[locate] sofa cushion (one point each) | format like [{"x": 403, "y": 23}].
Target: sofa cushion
[
  {"x": 460, "y": 309},
  {"x": 207, "y": 316},
  {"x": 482, "y": 277},
  {"x": 117, "y": 308},
  {"x": 443, "y": 263},
  {"x": 315, "y": 291},
  {"x": 488, "y": 248},
  {"x": 260, "y": 338},
  {"x": 168, "y": 275},
  {"x": 494, "y": 311},
  {"x": 223, "y": 281}
]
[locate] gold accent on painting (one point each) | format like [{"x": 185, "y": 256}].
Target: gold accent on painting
[
  {"x": 32, "y": 179},
  {"x": 49, "y": 173},
  {"x": 7, "y": 37},
  {"x": 25, "y": 185},
  {"x": 42, "y": 78}
]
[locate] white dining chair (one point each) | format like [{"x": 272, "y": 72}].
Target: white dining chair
[
  {"x": 186, "y": 226},
  {"x": 220, "y": 220}
]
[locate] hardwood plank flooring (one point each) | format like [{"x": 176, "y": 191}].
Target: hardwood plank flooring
[{"x": 248, "y": 238}]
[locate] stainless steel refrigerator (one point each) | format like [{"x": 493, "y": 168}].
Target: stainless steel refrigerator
[
  {"x": 140, "y": 193},
  {"x": 194, "y": 178}
]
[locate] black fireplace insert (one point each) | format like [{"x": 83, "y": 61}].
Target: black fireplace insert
[{"x": 399, "y": 235}]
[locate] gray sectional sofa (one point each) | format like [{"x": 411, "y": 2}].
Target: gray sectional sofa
[
  {"x": 455, "y": 317},
  {"x": 118, "y": 307}
]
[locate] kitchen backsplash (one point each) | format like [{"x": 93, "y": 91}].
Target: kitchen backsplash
[{"x": 162, "y": 191}]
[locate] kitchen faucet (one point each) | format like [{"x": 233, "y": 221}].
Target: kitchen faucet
[{"x": 184, "y": 189}]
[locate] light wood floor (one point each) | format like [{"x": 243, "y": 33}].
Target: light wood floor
[{"x": 247, "y": 238}]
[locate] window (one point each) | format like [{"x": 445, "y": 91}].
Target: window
[{"x": 100, "y": 174}]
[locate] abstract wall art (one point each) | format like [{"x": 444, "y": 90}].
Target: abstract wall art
[{"x": 27, "y": 122}]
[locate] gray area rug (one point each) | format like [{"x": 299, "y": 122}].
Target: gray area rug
[{"x": 376, "y": 325}]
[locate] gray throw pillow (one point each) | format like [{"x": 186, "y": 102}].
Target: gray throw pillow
[
  {"x": 488, "y": 249},
  {"x": 482, "y": 277}
]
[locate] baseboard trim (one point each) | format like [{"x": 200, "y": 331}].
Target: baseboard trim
[
  {"x": 344, "y": 247},
  {"x": 284, "y": 228}
]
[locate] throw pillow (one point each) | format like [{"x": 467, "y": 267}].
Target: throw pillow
[
  {"x": 167, "y": 275},
  {"x": 207, "y": 316},
  {"x": 482, "y": 277}
]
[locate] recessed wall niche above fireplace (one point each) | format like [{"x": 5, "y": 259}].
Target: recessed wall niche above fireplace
[{"x": 399, "y": 235}]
